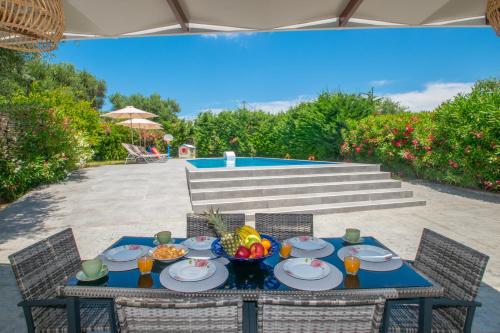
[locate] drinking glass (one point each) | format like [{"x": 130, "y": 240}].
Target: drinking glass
[
  {"x": 352, "y": 264},
  {"x": 285, "y": 250},
  {"x": 145, "y": 264}
]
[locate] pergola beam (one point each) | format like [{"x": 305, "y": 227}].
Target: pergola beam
[
  {"x": 348, "y": 11},
  {"x": 180, "y": 16}
]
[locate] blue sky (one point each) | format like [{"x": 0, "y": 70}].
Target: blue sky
[{"x": 273, "y": 71}]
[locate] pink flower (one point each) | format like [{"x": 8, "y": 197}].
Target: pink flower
[
  {"x": 200, "y": 263},
  {"x": 201, "y": 238},
  {"x": 134, "y": 247},
  {"x": 408, "y": 155},
  {"x": 395, "y": 131},
  {"x": 304, "y": 238},
  {"x": 316, "y": 263},
  {"x": 428, "y": 148},
  {"x": 358, "y": 150},
  {"x": 431, "y": 137},
  {"x": 414, "y": 142},
  {"x": 397, "y": 143},
  {"x": 409, "y": 129},
  {"x": 453, "y": 164}
]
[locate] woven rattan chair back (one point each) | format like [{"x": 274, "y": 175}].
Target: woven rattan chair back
[
  {"x": 221, "y": 314},
  {"x": 197, "y": 224},
  {"x": 456, "y": 267},
  {"x": 40, "y": 268},
  {"x": 283, "y": 226},
  {"x": 282, "y": 314}
]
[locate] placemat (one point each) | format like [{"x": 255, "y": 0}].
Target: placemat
[
  {"x": 321, "y": 253},
  {"x": 119, "y": 266},
  {"x": 385, "y": 266},
  {"x": 330, "y": 281},
  {"x": 220, "y": 276}
]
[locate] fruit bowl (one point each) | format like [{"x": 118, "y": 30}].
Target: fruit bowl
[{"x": 218, "y": 250}]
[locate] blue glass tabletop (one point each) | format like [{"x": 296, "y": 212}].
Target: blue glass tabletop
[{"x": 244, "y": 276}]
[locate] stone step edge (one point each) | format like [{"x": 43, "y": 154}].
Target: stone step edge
[{"x": 299, "y": 196}]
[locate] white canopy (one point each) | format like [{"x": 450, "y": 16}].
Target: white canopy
[
  {"x": 142, "y": 124},
  {"x": 129, "y": 112},
  {"x": 126, "y": 18}
]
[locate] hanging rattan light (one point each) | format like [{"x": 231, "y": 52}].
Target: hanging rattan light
[
  {"x": 493, "y": 14},
  {"x": 31, "y": 25}
]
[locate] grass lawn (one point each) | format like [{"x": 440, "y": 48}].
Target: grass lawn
[{"x": 92, "y": 164}]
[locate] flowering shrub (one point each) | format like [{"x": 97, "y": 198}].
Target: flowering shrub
[
  {"x": 40, "y": 144},
  {"x": 458, "y": 143}
]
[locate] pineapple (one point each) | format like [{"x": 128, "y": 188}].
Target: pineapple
[{"x": 230, "y": 241}]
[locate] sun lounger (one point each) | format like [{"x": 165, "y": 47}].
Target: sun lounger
[{"x": 140, "y": 155}]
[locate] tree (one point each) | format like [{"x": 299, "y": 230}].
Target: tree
[
  {"x": 84, "y": 86},
  {"x": 12, "y": 71},
  {"x": 166, "y": 109}
]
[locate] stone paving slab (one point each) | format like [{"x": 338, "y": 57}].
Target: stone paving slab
[{"x": 102, "y": 204}]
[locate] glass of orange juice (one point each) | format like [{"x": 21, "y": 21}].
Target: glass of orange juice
[
  {"x": 145, "y": 264},
  {"x": 352, "y": 264},
  {"x": 285, "y": 250}
]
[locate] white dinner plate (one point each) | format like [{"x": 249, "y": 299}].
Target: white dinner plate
[
  {"x": 371, "y": 253},
  {"x": 307, "y": 243},
  {"x": 126, "y": 252},
  {"x": 306, "y": 268},
  {"x": 192, "y": 270},
  {"x": 199, "y": 242}
]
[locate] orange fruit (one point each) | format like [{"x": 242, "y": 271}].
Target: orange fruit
[
  {"x": 266, "y": 252},
  {"x": 266, "y": 243}
]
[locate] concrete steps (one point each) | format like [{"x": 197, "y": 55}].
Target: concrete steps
[
  {"x": 319, "y": 189},
  {"x": 264, "y": 191},
  {"x": 200, "y": 206},
  {"x": 345, "y": 207},
  {"x": 282, "y": 180}
]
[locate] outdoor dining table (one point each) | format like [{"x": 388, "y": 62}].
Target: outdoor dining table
[{"x": 250, "y": 280}]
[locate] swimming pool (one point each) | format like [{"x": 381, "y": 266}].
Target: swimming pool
[{"x": 204, "y": 163}]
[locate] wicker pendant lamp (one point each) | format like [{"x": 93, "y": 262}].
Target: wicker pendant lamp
[
  {"x": 493, "y": 14},
  {"x": 31, "y": 25}
]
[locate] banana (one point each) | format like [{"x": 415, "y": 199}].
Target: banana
[{"x": 246, "y": 230}]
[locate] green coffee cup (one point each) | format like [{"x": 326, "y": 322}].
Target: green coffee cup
[
  {"x": 163, "y": 237},
  {"x": 352, "y": 235},
  {"x": 92, "y": 267}
]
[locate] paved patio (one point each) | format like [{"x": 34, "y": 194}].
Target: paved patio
[{"x": 102, "y": 204}]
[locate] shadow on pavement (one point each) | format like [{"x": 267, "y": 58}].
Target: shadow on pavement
[
  {"x": 455, "y": 190},
  {"x": 25, "y": 217}
]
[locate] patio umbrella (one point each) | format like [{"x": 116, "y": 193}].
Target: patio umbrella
[
  {"x": 129, "y": 112},
  {"x": 141, "y": 124}
]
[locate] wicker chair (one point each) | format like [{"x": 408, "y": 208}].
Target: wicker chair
[
  {"x": 222, "y": 314},
  {"x": 459, "y": 270},
  {"x": 282, "y": 314},
  {"x": 39, "y": 269},
  {"x": 197, "y": 224},
  {"x": 284, "y": 226}
]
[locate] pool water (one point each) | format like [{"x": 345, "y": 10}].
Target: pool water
[{"x": 203, "y": 163}]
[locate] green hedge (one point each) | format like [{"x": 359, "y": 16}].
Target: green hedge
[{"x": 458, "y": 143}]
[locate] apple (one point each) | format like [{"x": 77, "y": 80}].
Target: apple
[
  {"x": 257, "y": 250},
  {"x": 242, "y": 252}
]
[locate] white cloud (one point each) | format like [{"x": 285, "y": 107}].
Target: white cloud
[
  {"x": 278, "y": 106},
  {"x": 432, "y": 95},
  {"x": 270, "y": 107},
  {"x": 380, "y": 83}
]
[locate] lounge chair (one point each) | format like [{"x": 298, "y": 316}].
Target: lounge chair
[{"x": 139, "y": 155}]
